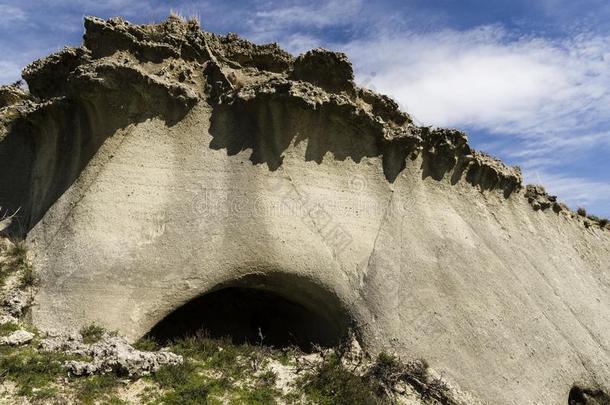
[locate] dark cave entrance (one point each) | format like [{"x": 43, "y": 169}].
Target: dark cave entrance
[
  {"x": 576, "y": 397},
  {"x": 584, "y": 396},
  {"x": 254, "y": 310}
]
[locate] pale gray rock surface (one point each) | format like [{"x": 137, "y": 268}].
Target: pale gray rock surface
[
  {"x": 17, "y": 338},
  {"x": 16, "y": 301},
  {"x": 157, "y": 163},
  {"x": 109, "y": 354}
]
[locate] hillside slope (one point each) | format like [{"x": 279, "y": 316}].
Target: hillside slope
[{"x": 158, "y": 163}]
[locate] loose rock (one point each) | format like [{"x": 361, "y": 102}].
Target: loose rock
[{"x": 17, "y": 338}]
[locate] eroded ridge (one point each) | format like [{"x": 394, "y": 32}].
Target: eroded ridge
[{"x": 125, "y": 73}]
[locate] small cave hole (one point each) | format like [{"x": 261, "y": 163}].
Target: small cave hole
[
  {"x": 587, "y": 396},
  {"x": 576, "y": 396},
  {"x": 254, "y": 316}
]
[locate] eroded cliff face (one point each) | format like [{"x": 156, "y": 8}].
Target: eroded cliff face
[{"x": 157, "y": 163}]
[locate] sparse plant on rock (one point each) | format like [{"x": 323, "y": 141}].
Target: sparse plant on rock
[
  {"x": 14, "y": 260},
  {"x": 92, "y": 333}
]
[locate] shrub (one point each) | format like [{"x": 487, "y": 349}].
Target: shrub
[
  {"x": 333, "y": 384},
  {"x": 603, "y": 222},
  {"x": 15, "y": 261},
  {"x": 388, "y": 370},
  {"x": 28, "y": 277},
  {"x": 582, "y": 212},
  {"x": 94, "y": 388},
  {"x": 146, "y": 344},
  {"x": 182, "y": 383},
  {"x": 92, "y": 333},
  {"x": 8, "y": 328},
  {"x": 33, "y": 372},
  {"x": 187, "y": 394}
]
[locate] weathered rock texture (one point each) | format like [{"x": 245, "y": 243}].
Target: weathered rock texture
[
  {"x": 17, "y": 338},
  {"x": 156, "y": 163},
  {"x": 109, "y": 354}
]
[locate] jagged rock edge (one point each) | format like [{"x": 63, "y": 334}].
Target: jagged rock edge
[{"x": 74, "y": 72}]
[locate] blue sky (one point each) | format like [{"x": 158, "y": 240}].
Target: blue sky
[{"x": 528, "y": 80}]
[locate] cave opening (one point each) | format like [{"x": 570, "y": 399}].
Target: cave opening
[
  {"x": 584, "y": 396},
  {"x": 576, "y": 396},
  {"x": 256, "y": 311}
]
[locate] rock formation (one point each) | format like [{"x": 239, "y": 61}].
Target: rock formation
[{"x": 157, "y": 164}]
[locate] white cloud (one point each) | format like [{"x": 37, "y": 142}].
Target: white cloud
[
  {"x": 9, "y": 72},
  {"x": 484, "y": 78},
  {"x": 311, "y": 14},
  {"x": 547, "y": 102}
]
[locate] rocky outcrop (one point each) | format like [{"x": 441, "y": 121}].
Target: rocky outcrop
[
  {"x": 540, "y": 200},
  {"x": 158, "y": 163},
  {"x": 132, "y": 73},
  {"x": 17, "y": 338},
  {"x": 48, "y": 77},
  {"x": 10, "y": 95},
  {"x": 109, "y": 354},
  {"x": 331, "y": 71}
]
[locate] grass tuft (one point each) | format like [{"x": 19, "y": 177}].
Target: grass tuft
[
  {"x": 15, "y": 261},
  {"x": 146, "y": 345},
  {"x": 8, "y": 328},
  {"x": 333, "y": 384},
  {"x": 182, "y": 384},
  {"x": 92, "y": 333},
  {"x": 33, "y": 372},
  {"x": 98, "y": 389},
  {"x": 388, "y": 370}
]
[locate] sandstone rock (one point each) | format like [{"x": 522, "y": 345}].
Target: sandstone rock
[
  {"x": 539, "y": 199},
  {"x": 16, "y": 302},
  {"x": 332, "y": 71},
  {"x": 289, "y": 179},
  {"x": 48, "y": 77},
  {"x": 111, "y": 353},
  {"x": 10, "y": 95}
]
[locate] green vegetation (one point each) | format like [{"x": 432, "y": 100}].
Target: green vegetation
[
  {"x": 146, "y": 344},
  {"x": 98, "y": 389},
  {"x": 8, "y": 328},
  {"x": 334, "y": 384},
  {"x": 602, "y": 222},
  {"x": 40, "y": 375},
  {"x": 182, "y": 383},
  {"x": 33, "y": 372},
  {"x": 389, "y": 370},
  {"x": 213, "y": 369},
  {"x": 92, "y": 333},
  {"x": 216, "y": 371},
  {"x": 15, "y": 261},
  {"x": 581, "y": 211},
  {"x": 28, "y": 277}
]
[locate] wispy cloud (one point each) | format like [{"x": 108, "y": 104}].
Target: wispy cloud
[
  {"x": 9, "y": 71},
  {"x": 538, "y": 100},
  {"x": 317, "y": 14},
  {"x": 486, "y": 78},
  {"x": 11, "y": 14},
  {"x": 547, "y": 101}
]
